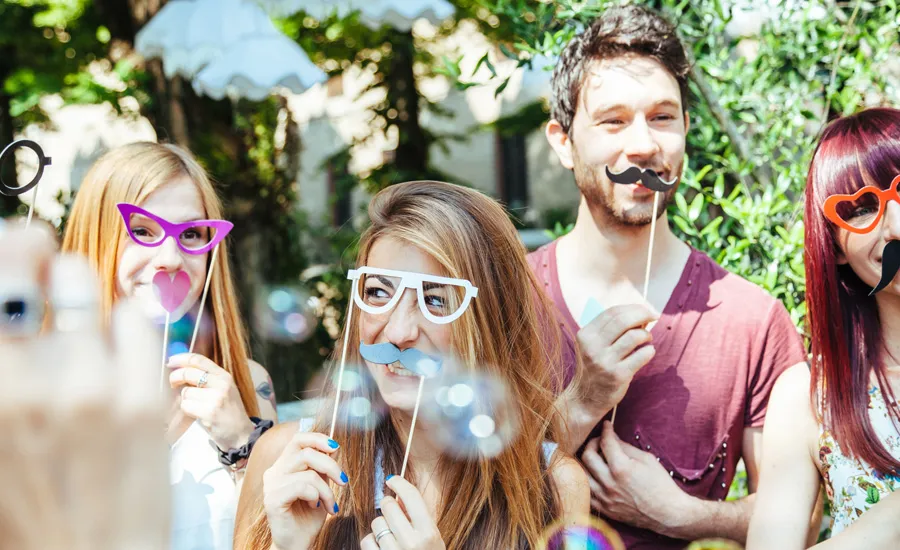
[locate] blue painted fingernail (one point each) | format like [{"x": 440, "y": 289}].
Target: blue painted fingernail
[
  {"x": 333, "y": 444},
  {"x": 344, "y": 477},
  {"x": 336, "y": 508},
  {"x": 388, "y": 478},
  {"x": 318, "y": 504}
]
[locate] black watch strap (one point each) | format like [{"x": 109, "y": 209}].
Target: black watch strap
[{"x": 233, "y": 456}]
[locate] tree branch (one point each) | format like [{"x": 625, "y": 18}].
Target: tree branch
[
  {"x": 760, "y": 173},
  {"x": 837, "y": 60}
]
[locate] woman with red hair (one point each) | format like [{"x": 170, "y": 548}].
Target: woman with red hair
[{"x": 836, "y": 422}]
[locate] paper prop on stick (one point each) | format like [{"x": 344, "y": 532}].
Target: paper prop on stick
[
  {"x": 860, "y": 213},
  {"x": 8, "y": 155},
  {"x": 591, "y": 311},
  {"x": 441, "y": 300},
  {"x": 416, "y": 362},
  {"x": 171, "y": 292},
  {"x": 413, "y": 360},
  {"x": 650, "y": 179},
  {"x": 192, "y": 237}
]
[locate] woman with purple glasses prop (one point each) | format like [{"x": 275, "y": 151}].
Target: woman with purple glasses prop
[
  {"x": 149, "y": 222},
  {"x": 193, "y": 237}
]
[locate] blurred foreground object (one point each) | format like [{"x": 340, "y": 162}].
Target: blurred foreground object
[{"x": 85, "y": 463}]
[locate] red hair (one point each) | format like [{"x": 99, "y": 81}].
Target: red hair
[{"x": 845, "y": 327}]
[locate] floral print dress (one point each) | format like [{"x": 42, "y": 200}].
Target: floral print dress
[{"x": 853, "y": 486}]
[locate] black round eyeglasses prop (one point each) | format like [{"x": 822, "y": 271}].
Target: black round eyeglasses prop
[{"x": 43, "y": 162}]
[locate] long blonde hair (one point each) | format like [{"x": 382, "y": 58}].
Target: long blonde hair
[
  {"x": 509, "y": 331},
  {"x": 130, "y": 174}
]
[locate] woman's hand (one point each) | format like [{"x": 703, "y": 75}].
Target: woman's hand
[
  {"x": 209, "y": 394},
  {"x": 409, "y": 527},
  {"x": 296, "y": 493},
  {"x": 84, "y": 464}
]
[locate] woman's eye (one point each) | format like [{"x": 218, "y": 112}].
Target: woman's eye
[
  {"x": 435, "y": 301},
  {"x": 375, "y": 292},
  {"x": 863, "y": 211},
  {"x": 191, "y": 234}
]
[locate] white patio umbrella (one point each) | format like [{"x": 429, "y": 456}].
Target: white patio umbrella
[
  {"x": 168, "y": 26},
  {"x": 193, "y": 33},
  {"x": 227, "y": 48},
  {"x": 256, "y": 65}
]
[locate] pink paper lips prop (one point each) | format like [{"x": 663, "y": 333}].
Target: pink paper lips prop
[{"x": 171, "y": 291}]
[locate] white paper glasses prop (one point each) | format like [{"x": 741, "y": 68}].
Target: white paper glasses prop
[
  {"x": 441, "y": 300},
  {"x": 192, "y": 237},
  {"x": 8, "y": 155}
]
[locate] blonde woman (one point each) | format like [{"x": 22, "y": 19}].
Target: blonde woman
[
  {"x": 223, "y": 399},
  {"x": 305, "y": 491}
]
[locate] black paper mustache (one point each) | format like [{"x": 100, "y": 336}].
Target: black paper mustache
[
  {"x": 890, "y": 264},
  {"x": 648, "y": 178}
]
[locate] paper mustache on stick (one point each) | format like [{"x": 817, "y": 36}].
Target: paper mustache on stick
[
  {"x": 890, "y": 264},
  {"x": 413, "y": 360},
  {"x": 648, "y": 178}
]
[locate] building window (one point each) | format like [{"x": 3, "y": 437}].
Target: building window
[{"x": 512, "y": 172}]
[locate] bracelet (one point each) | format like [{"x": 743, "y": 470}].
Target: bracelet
[{"x": 233, "y": 456}]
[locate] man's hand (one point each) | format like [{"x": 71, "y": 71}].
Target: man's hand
[
  {"x": 631, "y": 486},
  {"x": 614, "y": 346}
]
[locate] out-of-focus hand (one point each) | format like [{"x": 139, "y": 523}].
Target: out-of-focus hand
[{"x": 84, "y": 464}]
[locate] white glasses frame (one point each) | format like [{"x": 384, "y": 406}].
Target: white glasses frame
[{"x": 414, "y": 281}]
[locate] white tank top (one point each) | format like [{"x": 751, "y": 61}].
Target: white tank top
[{"x": 204, "y": 495}]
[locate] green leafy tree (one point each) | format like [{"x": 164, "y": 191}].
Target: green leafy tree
[
  {"x": 45, "y": 48},
  {"x": 759, "y": 103}
]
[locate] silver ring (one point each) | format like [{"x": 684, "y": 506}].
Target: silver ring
[
  {"x": 381, "y": 534},
  {"x": 203, "y": 379}
]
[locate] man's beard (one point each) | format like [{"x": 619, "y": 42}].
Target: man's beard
[{"x": 598, "y": 196}]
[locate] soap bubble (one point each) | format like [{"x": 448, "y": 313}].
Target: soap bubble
[
  {"x": 590, "y": 534},
  {"x": 469, "y": 415},
  {"x": 285, "y": 314},
  {"x": 359, "y": 407}
]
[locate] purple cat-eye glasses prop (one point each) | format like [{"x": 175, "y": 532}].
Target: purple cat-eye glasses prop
[{"x": 209, "y": 233}]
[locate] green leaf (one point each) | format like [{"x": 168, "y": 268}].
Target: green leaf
[
  {"x": 872, "y": 496},
  {"x": 681, "y": 204},
  {"x": 696, "y": 207},
  {"x": 501, "y": 87}
]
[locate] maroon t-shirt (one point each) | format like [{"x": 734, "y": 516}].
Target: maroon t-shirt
[{"x": 721, "y": 343}]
